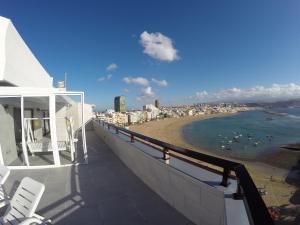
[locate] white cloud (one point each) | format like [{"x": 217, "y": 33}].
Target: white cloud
[
  {"x": 161, "y": 83},
  {"x": 136, "y": 80},
  {"x": 107, "y": 77},
  {"x": 111, "y": 67},
  {"x": 275, "y": 92},
  {"x": 147, "y": 92},
  {"x": 126, "y": 90},
  {"x": 158, "y": 46},
  {"x": 147, "y": 95}
]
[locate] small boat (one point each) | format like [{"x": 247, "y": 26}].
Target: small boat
[
  {"x": 256, "y": 143},
  {"x": 228, "y": 148},
  {"x": 236, "y": 139}
]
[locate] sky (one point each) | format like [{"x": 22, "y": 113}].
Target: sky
[{"x": 179, "y": 52}]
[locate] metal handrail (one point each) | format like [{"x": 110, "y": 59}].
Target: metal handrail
[{"x": 246, "y": 189}]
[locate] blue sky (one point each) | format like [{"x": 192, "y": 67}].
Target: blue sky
[{"x": 195, "y": 50}]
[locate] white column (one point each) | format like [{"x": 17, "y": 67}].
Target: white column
[
  {"x": 52, "y": 115},
  {"x": 24, "y": 145},
  {"x": 83, "y": 129}
]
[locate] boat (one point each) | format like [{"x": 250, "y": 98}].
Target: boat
[{"x": 236, "y": 139}]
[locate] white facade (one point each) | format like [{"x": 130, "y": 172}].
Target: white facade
[
  {"x": 42, "y": 122},
  {"x": 152, "y": 112},
  {"x": 18, "y": 66}
]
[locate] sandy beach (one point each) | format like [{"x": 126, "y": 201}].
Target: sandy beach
[{"x": 276, "y": 173}]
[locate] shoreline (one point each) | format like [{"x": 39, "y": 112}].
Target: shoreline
[
  {"x": 271, "y": 172},
  {"x": 170, "y": 130}
]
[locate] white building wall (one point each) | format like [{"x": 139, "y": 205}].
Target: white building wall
[
  {"x": 37, "y": 124},
  {"x": 18, "y": 65},
  {"x": 75, "y": 111},
  {"x": 7, "y": 135}
]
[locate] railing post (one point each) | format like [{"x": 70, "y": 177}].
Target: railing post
[
  {"x": 131, "y": 138},
  {"x": 239, "y": 193},
  {"x": 117, "y": 131},
  {"x": 225, "y": 177},
  {"x": 166, "y": 156},
  {"x": 108, "y": 126}
]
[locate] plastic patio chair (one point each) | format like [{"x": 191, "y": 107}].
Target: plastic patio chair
[{"x": 21, "y": 209}]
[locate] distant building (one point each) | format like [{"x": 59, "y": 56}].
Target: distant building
[
  {"x": 153, "y": 112},
  {"x": 120, "y": 104},
  {"x": 157, "y": 103},
  {"x": 149, "y": 107},
  {"x": 109, "y": 111}
]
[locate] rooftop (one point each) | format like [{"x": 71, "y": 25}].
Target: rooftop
[{"x": 103, "y": 192}]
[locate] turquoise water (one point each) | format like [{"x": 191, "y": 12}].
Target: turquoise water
[{"x": 246, "y": 135}]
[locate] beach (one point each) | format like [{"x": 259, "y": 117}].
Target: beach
[
  {"x": 276, "y": 173},
  {"x": 170, "y": 129}
]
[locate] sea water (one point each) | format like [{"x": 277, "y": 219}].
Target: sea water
[{"x": 246, "y": 135}]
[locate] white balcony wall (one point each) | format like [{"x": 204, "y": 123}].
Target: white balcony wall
[
  {"x": 75, "y": 112},
  {"x": 199, "y": 202}
]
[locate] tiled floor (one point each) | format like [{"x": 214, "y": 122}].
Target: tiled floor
[{"x": 103, "y": 192}]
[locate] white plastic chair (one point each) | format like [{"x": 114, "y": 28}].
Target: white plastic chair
[
  {"x": 21, "y": 209},
  {"x": 4, "y": 173}
]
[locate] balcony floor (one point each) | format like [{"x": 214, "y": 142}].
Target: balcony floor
[{"x": 103, "y": 192}]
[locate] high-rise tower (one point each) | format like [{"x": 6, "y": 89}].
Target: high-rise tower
[{"x": 120, "y": 104}]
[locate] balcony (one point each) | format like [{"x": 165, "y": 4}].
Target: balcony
[
  {"x": 103, "y": 192},
  {"x": 129, "y": 181}
]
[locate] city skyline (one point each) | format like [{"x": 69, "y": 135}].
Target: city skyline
[{"x": 207, "y": 50}]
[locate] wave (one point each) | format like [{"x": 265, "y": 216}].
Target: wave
[
  {"x": 293, "y": 116},
  {"x": 285, "y": 114}
]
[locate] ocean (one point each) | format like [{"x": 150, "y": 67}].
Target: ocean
[{"x": 246, "y": 135}]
